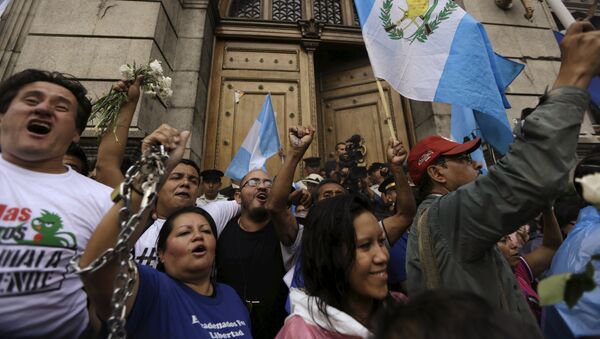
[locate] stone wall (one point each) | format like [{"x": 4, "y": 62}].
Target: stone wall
[
  {"x": 90, "y": 39},
  {"x": 14, "y": 25}
]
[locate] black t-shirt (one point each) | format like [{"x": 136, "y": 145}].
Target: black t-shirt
[{"x": 251, "y": 263}]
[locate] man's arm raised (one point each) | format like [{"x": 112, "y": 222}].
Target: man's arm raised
[
  {"x": 398, "y": 223},
  {"x": 283, "y": 219},
  {"x": 536, "y": 168}
]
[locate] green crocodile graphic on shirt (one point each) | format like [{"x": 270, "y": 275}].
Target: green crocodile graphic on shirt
[{"x": 48, "y": 227}]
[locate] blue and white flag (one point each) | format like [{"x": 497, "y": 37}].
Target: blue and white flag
[
  {"x": 495, "y": 131},
  {"x": 463, "y": 125},
  {"x": 432, "y": 50},
  {"x": 260, "y": 144}
]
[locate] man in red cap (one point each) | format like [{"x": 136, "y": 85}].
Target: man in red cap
[
  {"x": 452, "y": 243},
  {"x": 454, "y": 164}
]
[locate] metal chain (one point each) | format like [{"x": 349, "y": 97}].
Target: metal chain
[{"x": 148, "y": 171}]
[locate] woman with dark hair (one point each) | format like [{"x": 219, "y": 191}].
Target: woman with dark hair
[
  {"x": 344, "y": 266},
  {"x": 187, "y": 235},
  {"x": 184, "y": 301}
]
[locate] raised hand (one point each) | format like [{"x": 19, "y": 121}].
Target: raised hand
[
  {"x": 301, "y": 137},
  {"x": 396, "y": 153},
  {"x": 300, "y": 197},
  {"x": 131, "y": 88},
  {"x": 173, "y": 140},
  {"x": 580, "y": 51}
]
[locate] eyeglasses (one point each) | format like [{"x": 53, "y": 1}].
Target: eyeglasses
[
  {"x": 459, "y": 158},
  {"x": 255, "y": 182},
  {"x": 462, "y": 158}
]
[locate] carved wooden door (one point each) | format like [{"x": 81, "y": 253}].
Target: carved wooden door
[
  {"x": 254, "y": 69},
  {"x": 350, "y": 104}
]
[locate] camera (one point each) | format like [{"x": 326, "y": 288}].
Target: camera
[{"x": 352, "y": 164}]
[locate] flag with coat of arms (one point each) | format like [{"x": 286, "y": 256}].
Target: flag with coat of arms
[
  {"x": 432, "y": 50},
  {"x": 262, "y": 142}
]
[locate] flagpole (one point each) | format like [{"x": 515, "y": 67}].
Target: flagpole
[
  {"x": 562, "y": 13},
  {"x": 386, "y": 109}
]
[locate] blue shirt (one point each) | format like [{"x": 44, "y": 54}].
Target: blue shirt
[
  {"x": 167, "y": 308},
  {"x": 572, "y": 256},
  {"x": 397, "y": 264}
]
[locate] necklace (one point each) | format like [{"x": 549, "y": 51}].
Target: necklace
[{"x": 249, "y": 303}]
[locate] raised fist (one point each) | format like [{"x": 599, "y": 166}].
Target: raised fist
[
  {"x": 396, "y": 153},
  {"x": 301, "y": 137}
]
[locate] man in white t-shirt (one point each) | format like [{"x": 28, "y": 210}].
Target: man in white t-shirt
[
  {"x": 180, "y": 190},
  {"x": 47, "y": 210}
]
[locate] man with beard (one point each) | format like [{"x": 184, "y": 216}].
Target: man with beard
[{"x": 255, "y": 251}]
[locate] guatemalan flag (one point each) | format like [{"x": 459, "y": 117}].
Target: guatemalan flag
[
  {"x": 260, "y": 144},
  {"x": 432, "y": 50}
]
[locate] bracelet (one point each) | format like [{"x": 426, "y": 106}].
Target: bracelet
[
  {"x": 136, "y": 190},
  {"x": 116, "y": 193}
]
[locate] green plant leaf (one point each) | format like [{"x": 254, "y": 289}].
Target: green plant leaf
[{"x": 552, "y": 289}]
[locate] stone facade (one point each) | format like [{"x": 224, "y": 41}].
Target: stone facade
[{"x": 91, "y": 38}]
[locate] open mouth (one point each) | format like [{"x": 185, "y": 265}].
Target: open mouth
[
  {"x": 199, "y": 250},
  {"x": 185, "y": 195},
  {"x": 262, "y": 197},
  {"x": 39, "y": 127}
]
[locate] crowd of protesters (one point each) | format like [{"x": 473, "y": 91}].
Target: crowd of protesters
[{"x": 422, "y": 246}]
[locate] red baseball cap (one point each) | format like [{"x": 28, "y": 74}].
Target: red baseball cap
[{"x": 429, "y": 149}]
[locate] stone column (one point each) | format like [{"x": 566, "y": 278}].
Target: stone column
[
  {"x": 14, "y": 26},
  {"x": 311, "y": 31},
  {"x": 195, "y": 27}
]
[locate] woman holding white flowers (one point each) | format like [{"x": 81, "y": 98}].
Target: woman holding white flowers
[{"x": 183, "y": 301}]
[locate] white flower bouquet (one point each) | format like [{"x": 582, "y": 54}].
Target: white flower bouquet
[
  {"x": 106, "y": 109},
  {"x": 591, "y": 188}
]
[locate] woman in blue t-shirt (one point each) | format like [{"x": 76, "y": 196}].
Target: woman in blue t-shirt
[{"x": 179, "y": 299}]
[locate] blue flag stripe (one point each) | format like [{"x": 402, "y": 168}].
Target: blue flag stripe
[
  {"x": 261, "y": 142},
  {"x": 363, "y": 7},
  {"x": 494, "y": 75}
]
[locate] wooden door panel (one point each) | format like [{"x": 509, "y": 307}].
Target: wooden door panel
[
  {"x": 351, "y": 104},
  {"x": 235, "y": 126},
  {"x": 359, "y": 114},
  {"x": 361, "y": 120},
  {"x": 255, "y": 69}
]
